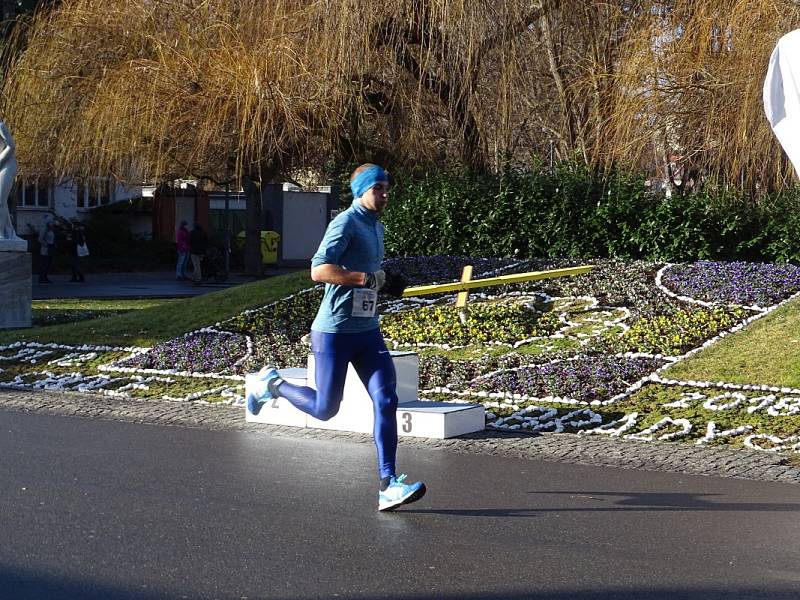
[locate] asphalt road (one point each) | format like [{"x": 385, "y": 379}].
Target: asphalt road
[{"x": 102, "y": 509}]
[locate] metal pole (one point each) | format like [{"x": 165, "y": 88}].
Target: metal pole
[{"x": 227, "y": 230}]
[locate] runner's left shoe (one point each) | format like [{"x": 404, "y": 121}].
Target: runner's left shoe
[{"x": 398, "y": 493}]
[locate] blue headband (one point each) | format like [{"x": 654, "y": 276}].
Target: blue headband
[{"x": 364, "y": 181}]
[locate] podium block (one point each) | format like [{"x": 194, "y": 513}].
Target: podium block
[
  {"x": 415, "y": 418},
  {"x": 439, "y": 419},
  {"x": 406, "y": 364}
]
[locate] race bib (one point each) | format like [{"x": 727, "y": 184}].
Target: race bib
[{"x": 365, "y": 302}]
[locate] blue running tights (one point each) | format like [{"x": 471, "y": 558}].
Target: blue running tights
[{"x": 373, "y": 363}]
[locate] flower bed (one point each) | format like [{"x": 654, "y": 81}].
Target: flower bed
[
  {"x": 291, "y": 317},
  {"x": 583, "y": 378},
  {"x": 276, "y": 349},
  {"x": 612, "y": 282},
  {"x": 733, "y": 282},
  {"x": 676, "y": 333},
  {"x": 424, "y": 270},
  {"x": 200, "y": 352},
  {"x": 487, "y": 323},
  {"x": 585, "y": 353}
]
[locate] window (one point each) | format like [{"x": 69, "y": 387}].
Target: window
[
  {"x": 101, "y": 190},
  {"x": 35, "y": 194},
  {"x": 97, "y": 192}
]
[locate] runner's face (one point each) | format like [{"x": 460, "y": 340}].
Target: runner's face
[{"x": 377, "y": 197}]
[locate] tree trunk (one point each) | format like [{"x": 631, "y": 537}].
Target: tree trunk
[
  {"x": 565, "y": 99},
  {"x": 253, "y": 267}
]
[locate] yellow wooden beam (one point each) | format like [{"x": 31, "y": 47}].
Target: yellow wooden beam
[
  {"x": 462, "y": 286},
  {"x": 466, "y": 275}
]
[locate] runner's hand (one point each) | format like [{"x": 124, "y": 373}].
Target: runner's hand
[
  {"x": 395, "y": 284},
  {"x": 374, "y": 280}
]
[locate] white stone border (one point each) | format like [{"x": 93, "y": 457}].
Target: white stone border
[
  {"x": 646, "y": 435},
  {"x": 82, "y": 347},
  {"x": 547, "y": 420},
  {"x": 712, "y": 433},
  {"x": 722, "y": 385},
  {"x": 78, "y": 382},
  {"x": 781, "y": 444}
]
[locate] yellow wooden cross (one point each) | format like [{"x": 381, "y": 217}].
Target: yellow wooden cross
[
  {"x": 461, "y": 299},
  {"x": 467, "y": 283}
]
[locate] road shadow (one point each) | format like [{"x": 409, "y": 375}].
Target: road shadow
[
  {"x": 20, "y": 584},
  {"x": 666, "y": 501},
  {"x": 700, "y": 593},
  {"x": 619, "y": 502}
]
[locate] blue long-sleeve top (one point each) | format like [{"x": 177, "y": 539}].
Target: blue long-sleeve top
[{"x": 354, "y": 241}]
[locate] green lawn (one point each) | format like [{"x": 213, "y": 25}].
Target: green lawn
[
  {"x": 121, "y": 304},
  {"x": 71, "y": 310},
  {"x": 144, "y": 323},
  {"x": 767, "y": 352}
]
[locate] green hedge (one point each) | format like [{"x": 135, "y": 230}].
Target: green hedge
[{"x": 570, "y": 211}]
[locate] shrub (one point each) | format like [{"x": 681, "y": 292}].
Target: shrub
[{"x": 571, "y": 211}]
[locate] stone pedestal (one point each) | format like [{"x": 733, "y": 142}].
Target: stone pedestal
[{"x": 16, "y": 290}]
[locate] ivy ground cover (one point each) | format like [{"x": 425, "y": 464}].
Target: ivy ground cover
[{"x": 589, "y": 354}]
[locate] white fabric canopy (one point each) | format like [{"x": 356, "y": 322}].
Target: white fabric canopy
[{"x": 782, "y": 95}]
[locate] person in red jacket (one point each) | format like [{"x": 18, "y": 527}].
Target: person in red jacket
[{"x": 182, "y": 240}]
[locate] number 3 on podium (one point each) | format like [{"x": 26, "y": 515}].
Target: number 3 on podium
[{"x": 406, "y": 422}]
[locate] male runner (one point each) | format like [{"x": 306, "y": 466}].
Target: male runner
[{"x": 346, "y": 329}]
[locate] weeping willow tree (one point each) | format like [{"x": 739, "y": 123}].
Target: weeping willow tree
[
  {"x": 689, "y": 85},
  {"x": 154, "y": 89},
  {"x": 249, "y": 90}
]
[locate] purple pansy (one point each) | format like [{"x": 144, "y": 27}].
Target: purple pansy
[
  {"x": 584, "y": 378},
  {"x": 743, "y": 283}
]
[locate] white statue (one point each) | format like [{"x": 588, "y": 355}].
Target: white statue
[
  {"x": 8, "y": 172},
  {"x": 781, "y": 100}
]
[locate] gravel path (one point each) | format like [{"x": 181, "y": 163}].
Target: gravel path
[{"x": 590, "y": 450}]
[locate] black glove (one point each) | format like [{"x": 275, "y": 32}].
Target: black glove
[
  {"x": 374, "y": 280},
  {"x": 395, "y": 284}
]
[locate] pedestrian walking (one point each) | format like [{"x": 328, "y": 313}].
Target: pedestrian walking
[
  {"x": 198, "y": 245},
  {"x": 182, "y": 242},
  {"x": 78, "y": 249},
  {"x": 47, "y": 248},
  {"x": 346, "y": 330}
]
